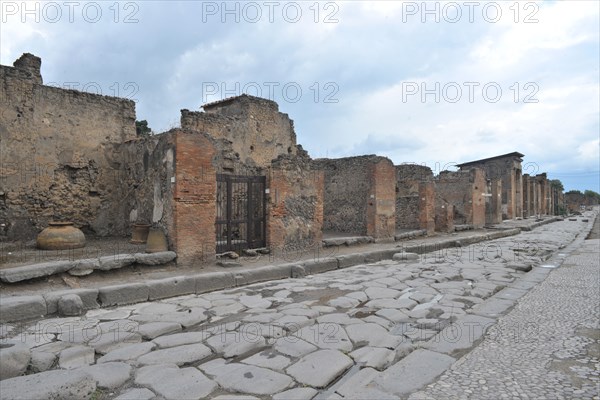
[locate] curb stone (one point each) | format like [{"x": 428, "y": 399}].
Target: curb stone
[{"x": 19, "y": 308}]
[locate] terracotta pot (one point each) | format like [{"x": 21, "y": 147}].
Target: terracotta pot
[
  {"x": 139, "y": 233},
  {"x": 60, "y": 236},
  {"x": 157, "y": 241}
]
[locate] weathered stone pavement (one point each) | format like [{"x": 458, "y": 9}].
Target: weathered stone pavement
[
  {"x": 547, "y": 347},
  {"x": 381, "y": 330}
]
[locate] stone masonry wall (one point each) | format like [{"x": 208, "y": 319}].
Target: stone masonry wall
[
  {"x": 381, "y": 212},
  {"x": 464, "y": 191},
  {"x": 60, "y": 155},
  {"x": 194, "y": 211},
  {"x": 415, "y": 198},
  {"x": 295, "y": 205},
  {"x": 508, "y": 169},
  {"x": 258, "y": 131},
  {"x": 359, "y": 195}
]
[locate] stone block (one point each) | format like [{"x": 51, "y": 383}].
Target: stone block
[
  {"x": 115, "y": 262},
  {"x": 123, "y": 294},
  {"x": 65, "y": 385},
  {"x": 20, "y": 308},
  {"x": 350, "y": 260},
  {"x": 460, "y": 336},
  {"x": 405, "y": 257},
  {"x": 70, "y": 305},
  {"x": 33, "y": 271},
  {"x": 171, "y": 287},
  {"x": 89, "y": 297},
  {"x": 416, "y": 370},
  {"x": 159, "y": 258},
  {"x": 14, "y": 358},
  {"x": 214, "y": 281},
  {"x": 321, "y": 265}
]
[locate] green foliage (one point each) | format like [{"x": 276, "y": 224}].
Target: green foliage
[
  {"x": 141, "y": 128},
  {"x": 592, "y": 195},
  {"x": 556, "y": 183},
  {"x": 574, "y": 192}
]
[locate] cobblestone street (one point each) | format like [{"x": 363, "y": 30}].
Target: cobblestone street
[
  {"x": 547, "y": 347},
  {"x": 381, "y": 330}
]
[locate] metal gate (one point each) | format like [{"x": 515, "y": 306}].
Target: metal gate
[{"x": 241, "y": 212}]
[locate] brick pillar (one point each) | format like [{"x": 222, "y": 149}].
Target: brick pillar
[
  {"x": 195, "y": 209},
  {"x": 427, "y": 206},
  {"x": 381, "y": 207},
  {"x": 479, "y": 187}
]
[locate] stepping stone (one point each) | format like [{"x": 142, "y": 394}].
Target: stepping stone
[
  {"x": 76, "y": 356},
  {"x": 171, "y": 382},
  {"x": 304, "y": 312},
  {"x": 128, "y": 353},
  {"x": 155, "y": 329},
  {"x": 234, "y": 397},
  {"x": 320, "y": 368},
  {"x": 58, "y": 384},
  {"x": 268, "y": 359},
  {"x": 179, "y": 355},
  {"x": 109, "y": 375},
  {"x": 251, "y": 379}
]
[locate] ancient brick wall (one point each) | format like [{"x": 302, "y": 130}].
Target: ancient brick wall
[
  {"x": 60, "y": 155},
  {"x": 381, "y": 211},
  {"x": 359, "y": 195},
  {"x": 407, "y": 212},
  {"x": 295, "y": 204},
  {"x": 509, "y": 170},
  {"x": 493, "y": 202},
  {"x": 258, "y": 131},
  {"x": 194, "y": 197},
  {"x": 415, "y": 197},
  {"x": 465, "y": 191}
]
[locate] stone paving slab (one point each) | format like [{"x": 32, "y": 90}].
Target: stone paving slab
[
  {"x": 493, "y": 307},
  {"x": 320, "y": 368},
  {"x": 67, "y": 385},
  {"x": 309, "y": 334},
  {"x": 460, "y": 336},
  {"x": 413, "y": 372}
]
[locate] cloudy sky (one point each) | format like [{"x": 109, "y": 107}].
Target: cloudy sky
[{"x": 433, "y": 83}]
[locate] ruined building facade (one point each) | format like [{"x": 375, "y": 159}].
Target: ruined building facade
[
  {"x": 232, "y": 177},
  {"x": 507, "y": 169}
]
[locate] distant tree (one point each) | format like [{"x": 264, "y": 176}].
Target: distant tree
[
  {"x": 556, "y": 183},
  {"x": 572, "y": 192},
  {"x": 141, "y": 128},
  {"x": 591, "y": 195}
]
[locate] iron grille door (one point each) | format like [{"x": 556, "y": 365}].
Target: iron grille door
[{"x": 241, "y": 212}]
